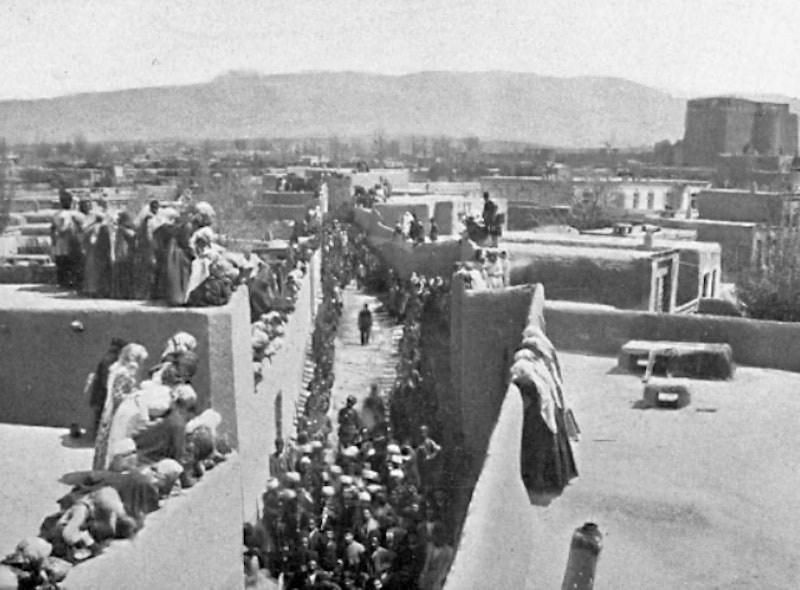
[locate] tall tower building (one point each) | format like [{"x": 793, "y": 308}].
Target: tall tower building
[{"x": 727, "y": 125}]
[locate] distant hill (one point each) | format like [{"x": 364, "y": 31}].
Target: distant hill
[{"x": 561, "y": 112}]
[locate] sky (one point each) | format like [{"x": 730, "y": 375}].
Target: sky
[{"x": 687, "y": 47}]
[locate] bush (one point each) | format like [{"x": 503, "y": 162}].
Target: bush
[
  {"x": 5, "y": 193},
  {"x": 770, "y": 290}
]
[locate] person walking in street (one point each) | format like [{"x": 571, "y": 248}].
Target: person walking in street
[{"x": 365, "y": 324}]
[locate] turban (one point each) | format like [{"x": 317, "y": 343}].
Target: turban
[
  {"x": 350, "y": 452},
  {"x": 287, "y": 495},
  {"x": 169, "y": 468},
  {"x": 180, "y": 342},
  {"x": 185, "y": 394}
]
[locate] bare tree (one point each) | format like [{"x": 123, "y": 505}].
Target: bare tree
[{"x": 5, "y": 193}]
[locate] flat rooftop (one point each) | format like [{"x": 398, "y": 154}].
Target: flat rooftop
[
  {"x": 542, "y": 249},
  {"x": 15, "y": 297},
  {"x": 33, "y": 461},
  {"x": 597, "y": 240},
  {"x": 698, "y": 498}
]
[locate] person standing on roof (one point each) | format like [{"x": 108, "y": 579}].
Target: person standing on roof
[{"x": 490, "y": 218}]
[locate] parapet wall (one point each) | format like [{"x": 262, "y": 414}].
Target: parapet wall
[
  {"x": 44, "y": 360},
  {"x": 493, "y": 519},
  {"x": 429, "y": 259},
  {"x": 486, "y": 328},
  {"x": 193, "y": 541},
  {"x": 603, "y": 330},
  {"x": 281, "y": 212},
  {"x": 270, "y": 411},
  {"x": 391, "y": 213}
]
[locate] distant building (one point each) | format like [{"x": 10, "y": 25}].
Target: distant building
[
  {"x": 647, "y": 195},
  {"x": 617, "y": 194},
  {"x": 699, "y": 272},
  {"x": 765, "y": 207},
  {"x": 626, "y": 278},
  {"x": 728, "y": 125},
  {"x": 743, "y": 244},
  {"x": 531, "y": 190},
  {"x": 776, "y": 173}
]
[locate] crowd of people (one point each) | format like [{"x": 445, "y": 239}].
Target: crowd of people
[
  {"x": 410, "y": 227},
  {"x": 351, "y": 506},
  {"x": 149, "y": 440},
  {"x": 274, "y": 290},
  {"x": 167, "y": 253},
  {"x": 491, "y": 269},
  {"x": 368, "y": 198}
]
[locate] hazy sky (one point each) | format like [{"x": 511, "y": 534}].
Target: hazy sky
[{"x": 690, "y": 47}]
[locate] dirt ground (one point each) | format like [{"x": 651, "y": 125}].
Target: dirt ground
[
  {"x": 356, "y": 367},
  {"x": 699, "y": 498}
]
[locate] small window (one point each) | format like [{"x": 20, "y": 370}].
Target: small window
[{"x": 651, "y": 200}]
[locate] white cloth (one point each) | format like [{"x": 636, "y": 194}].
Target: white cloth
[
  {"x": 537, "y": 374},
  {"x": 201, "y": 270},
  {"x": 211, "y": 419}
]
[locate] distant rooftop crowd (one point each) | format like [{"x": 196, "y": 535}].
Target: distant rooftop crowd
[{"x": 168, "y": 253}]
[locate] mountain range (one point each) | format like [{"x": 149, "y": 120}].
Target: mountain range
[{"x": 561, "y": 112}]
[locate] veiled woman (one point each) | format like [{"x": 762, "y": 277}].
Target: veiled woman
[
  {"x": 123, "y": 380},
  {"x": 97, "y": 251},
  {"x": 144, "y": 259},
  {"x": 547, "y": 463},
  {"x": 174, "y": 250},
  {"x": 124, "y": 248},
  {"x": 173, "y": 257},
  {"x": 178, "y": 357}
]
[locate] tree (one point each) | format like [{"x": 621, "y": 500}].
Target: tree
[
  {"x": 93, "y": 153},
  {"x": 379, "y": 147},
  {"x": 590, "y": 208},
  {"x": 65, "y": 148},
  {"x": 442, "y": 148},
  {"x": 335, "y": 149},
  {"x": 241, "y": 144},
  {"x": 80, "y": 144},
  {"x": 5, "y": 193},
  {"x": 43, "y": 150},
  {"x": 769, "y": 285}
]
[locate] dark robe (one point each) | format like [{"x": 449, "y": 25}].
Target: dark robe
[
  {"x": 165, "y": 439},
  {"x": 174, "y": 262},
  {"x": 546, "y": 461},
  {"x": 144, "y": 260},
  {"x": 97, "y": 258},
  {"x": 123, "y": 275},
  {"x": 99, "y": 389},
  {"x": 214, "y": 291}
]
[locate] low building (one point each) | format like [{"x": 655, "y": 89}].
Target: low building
[
  {"x": 620, "y": 195},
  {"x": 700, "y": 263},
  {"x": 532, "y": 190},
  {"x": 742, "y": 244},
  {"x": 626, "y": 278}
]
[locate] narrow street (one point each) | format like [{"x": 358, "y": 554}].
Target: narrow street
[{"x": 356, "y": 367}]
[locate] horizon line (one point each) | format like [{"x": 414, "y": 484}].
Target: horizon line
[{"x": 254, "y": 73}]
